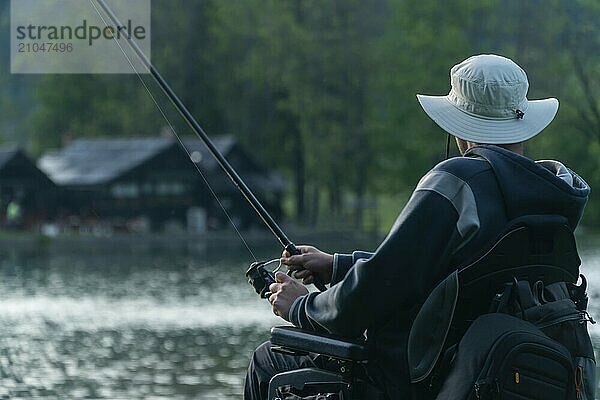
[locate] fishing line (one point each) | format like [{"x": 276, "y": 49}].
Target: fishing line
[
  {"x": 264, "y": 215},
  {"x": 181, "y": 143},
  {"x": 273, "y": 261}
]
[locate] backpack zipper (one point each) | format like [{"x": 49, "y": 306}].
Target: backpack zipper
[
  {"x": 572, "y": 317},
  {"x": 479, "y": 385},
  {"x": 578, "y": 381},
  {"x": 489, "y": 364},
  {"x": 484, "y": 386}
]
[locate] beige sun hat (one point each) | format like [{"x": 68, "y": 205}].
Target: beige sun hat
[{"x": 488, "y": 103}]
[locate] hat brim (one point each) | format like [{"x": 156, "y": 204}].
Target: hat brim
[{"x": 484, "y": 130}]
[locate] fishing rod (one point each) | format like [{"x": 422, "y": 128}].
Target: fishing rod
[{"x": 256, "y": 269}]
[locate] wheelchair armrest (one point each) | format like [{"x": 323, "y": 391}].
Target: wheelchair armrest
[{"x": 312, "y": 342}]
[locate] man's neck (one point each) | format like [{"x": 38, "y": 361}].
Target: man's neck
[{"x": 518, "y": 148}]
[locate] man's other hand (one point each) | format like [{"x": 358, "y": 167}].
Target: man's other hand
[
  {"x": 284, "y": 292},
  {"x": 310, "y": 262}
]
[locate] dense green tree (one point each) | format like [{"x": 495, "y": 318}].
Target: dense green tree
[{"x": 302, "y": 66}]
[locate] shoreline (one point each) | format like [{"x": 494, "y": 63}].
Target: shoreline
[{"x": 223, "y": 239}]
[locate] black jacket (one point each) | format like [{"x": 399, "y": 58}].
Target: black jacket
[{"x": 457, "y": 208}]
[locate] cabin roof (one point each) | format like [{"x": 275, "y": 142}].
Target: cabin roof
[
  {"x": 16, "y": 165},
  {"x": 87, "y": 162},
  {"x": 7, "y": 154},
  {"x": 98, "y": 161},
  {"x": 202, "y": 156}
]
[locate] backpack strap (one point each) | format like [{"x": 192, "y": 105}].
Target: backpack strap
[
  {"x": 516, "y": 298},
  {"x": 578, "y": 293},
  {"x": 431, "y": 327}
]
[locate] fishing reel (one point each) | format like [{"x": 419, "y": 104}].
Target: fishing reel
[{"x": 260, "y": 278}]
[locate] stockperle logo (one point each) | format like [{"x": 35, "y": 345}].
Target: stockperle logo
[{"x": 78, "y": 36}]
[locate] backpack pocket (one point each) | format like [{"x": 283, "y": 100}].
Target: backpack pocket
[
  {"x": 504, "y": 357},
  {"x": 531, "y": 369}
]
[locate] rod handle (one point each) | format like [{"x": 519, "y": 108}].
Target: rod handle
[{"x": 293, "y": 250}]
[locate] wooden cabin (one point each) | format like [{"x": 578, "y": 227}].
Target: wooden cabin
[
  {"x": 27, "y": 196},
  {"x": 152, "y": 182}
]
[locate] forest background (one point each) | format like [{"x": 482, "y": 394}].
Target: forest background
[{"x": 324, "y": 91}]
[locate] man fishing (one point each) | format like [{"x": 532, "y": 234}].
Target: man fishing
[{"x": 456, "y": 210}]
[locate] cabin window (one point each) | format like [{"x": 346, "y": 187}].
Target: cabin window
[
  {"x": 178, "y": 188},
  {"x": 125, "y": 190},
  {"x": 171, "y": 188},
  {"x": 147, "y": 188}
]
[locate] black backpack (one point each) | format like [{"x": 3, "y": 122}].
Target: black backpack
[
  {"x": 533, "y": 249},
  {"x": 534, "y": 346},
  {"x": 504, "y": 357}
]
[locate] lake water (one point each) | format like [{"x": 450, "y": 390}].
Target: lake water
[{"x": 141, "y": 319}]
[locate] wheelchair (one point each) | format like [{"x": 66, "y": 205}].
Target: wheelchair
[{"x": 532, "y": 248}]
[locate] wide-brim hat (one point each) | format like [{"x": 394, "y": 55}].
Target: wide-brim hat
[{"x": 488, "y": 103}]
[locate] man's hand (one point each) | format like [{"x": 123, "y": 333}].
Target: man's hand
[
  {"x": 309, "y": 263},
  {"x": 284, "y": 292}
]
